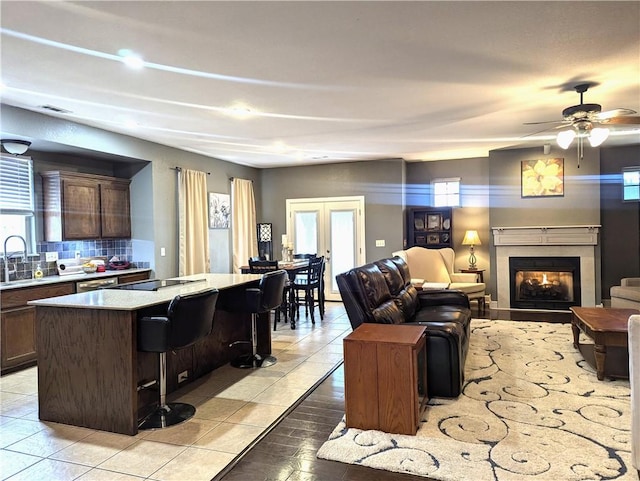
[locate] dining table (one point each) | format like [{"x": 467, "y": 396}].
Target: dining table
[{"x": 293, "y": 268}]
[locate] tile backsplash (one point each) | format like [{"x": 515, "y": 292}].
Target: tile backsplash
[{"x": 66, "y": 250}]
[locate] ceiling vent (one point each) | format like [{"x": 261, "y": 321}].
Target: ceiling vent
[{"x": 55, "y": 109}]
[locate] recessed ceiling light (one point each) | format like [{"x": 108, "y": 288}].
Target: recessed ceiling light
[
  {"x": 131, "y": 59},
  {"x": 240, "y": 111}
]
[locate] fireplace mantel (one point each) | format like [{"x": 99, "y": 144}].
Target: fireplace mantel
[
  {"x": 546, "y": 235},
  {"x": 556, "y": 241}
]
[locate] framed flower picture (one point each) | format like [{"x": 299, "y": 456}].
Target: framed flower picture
[
  {"x": 542, "y": 178},
  {"x": 219, "y": 211}
]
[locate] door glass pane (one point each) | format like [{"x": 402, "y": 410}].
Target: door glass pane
[
  {"x": 343, "y": 244},
  {"x": 306, "y": 235}
]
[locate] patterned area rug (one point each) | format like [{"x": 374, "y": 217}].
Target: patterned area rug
[{"x": 532, "y": 409}]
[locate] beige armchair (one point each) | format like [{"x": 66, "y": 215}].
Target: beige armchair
[
  {"x": 436, "y": 266},
  {"x": 634, "y": 379}
]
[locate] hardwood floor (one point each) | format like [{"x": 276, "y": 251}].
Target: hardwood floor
[{"x": 288, "y": 451}]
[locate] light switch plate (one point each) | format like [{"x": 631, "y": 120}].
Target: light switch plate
[
  {"x": 380, "y": 243},
  {"x": 163, "y": 252},
  {"x": 51, "y": 256}
]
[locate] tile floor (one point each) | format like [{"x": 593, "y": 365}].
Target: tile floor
[{"x": 234, "y": 407}]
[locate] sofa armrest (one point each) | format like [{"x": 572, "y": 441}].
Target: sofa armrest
[
  {"x": 463, "y": 277},
  {"x": 442, "y": 297},
  {"x": 630, "y": 282}
]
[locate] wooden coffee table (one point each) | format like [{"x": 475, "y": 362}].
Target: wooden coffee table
[{"x": 608, "y": 329}]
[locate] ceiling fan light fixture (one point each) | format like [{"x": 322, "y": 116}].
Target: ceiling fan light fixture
[
  {"x": 598, "y": 135},
  {"x": 565, "y": 137},
  {"x": 15, "y": 147}
]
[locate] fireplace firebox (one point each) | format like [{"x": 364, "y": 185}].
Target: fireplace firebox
[{"x": 544, "y": 282}]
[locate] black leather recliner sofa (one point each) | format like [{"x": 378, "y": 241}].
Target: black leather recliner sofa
[{"x": 382, "y": 292}]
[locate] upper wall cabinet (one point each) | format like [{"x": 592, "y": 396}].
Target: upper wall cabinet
[{"x": 84, "y": 206}]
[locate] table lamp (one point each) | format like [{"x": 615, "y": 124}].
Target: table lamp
[{"x": 470, "y": 239}]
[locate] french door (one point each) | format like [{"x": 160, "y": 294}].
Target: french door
[{"x": 332, "y": 227}]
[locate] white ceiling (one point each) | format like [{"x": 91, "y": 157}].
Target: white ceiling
[{"x": 331, "y": 81}]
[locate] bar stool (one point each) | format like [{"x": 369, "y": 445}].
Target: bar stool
[
  {"x": 189, "y": 318},
  {"x": 264, "y": 298}
]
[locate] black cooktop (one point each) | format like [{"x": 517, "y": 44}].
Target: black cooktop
[{"x": 154, "y": 285}]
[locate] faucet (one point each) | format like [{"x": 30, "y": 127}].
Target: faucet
[{"x": 7, "y": 272}]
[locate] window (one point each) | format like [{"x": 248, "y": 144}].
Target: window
[
  {"x": 631, "y": 184},
  {"x": 446, "y": 192},
  {"x": 16, "y": 202}
]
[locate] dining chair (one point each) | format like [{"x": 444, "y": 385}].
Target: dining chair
[{"x": 309, "y": 285}]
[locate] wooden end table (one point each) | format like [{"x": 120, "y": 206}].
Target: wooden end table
[
  {"x": 381, "y": 377},
  {"x": 608, "y": 329}
]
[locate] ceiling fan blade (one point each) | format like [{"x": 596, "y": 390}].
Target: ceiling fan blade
[
  {"x": 629, "y": 120},
  {"x": 546, "y": 122},
  {"x": 614, "y": 113}
]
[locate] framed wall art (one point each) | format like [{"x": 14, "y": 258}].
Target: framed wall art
[
  {"x": 433, "y": 239},
  {"x": 542, "y": 178},
  {"x": 433, "y": 221},
  {"x": 219, "y": 211}
]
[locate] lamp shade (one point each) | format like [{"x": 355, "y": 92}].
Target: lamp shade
[
  {"x": 15, "y": 147},
  {"x": 598, "y": 135},
  {"x": 565, "y": 138},
  {"x": 471, "y": 238}
]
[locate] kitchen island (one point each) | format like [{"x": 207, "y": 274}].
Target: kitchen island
[{"x": 89, "y": 367}]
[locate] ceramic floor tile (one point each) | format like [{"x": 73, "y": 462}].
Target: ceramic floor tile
[
  {"x": 8, "y": 397},
  {"x": 94, "y": 449},
  {"x": 142, "y": 458},
  {"x": 218, "y": 409},
  {"x": 12, "y": 463},
  {"x": 49, "y": 470},
  {"x": 184, "y": 434},
  {"x": 50, "y": 440},
  {"x": 243, "y": 391},
  {"x": 229, "y": 438},
  {"x": 197, "y": 449},
  {"x": 17, "y": 430},
  {"x": 20, "y": 407},
  {"x": 277, "y": 395},
  {"x": 193, "y": 464},
  {"x": 97, "y": 474},
  {"x": 254, "y": 414}
]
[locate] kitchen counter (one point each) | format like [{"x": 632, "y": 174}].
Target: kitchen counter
[
  {"x": 126, "y": 300},
  {"x": 69, "y": 278},
  {"x": 89, "y": 367}
]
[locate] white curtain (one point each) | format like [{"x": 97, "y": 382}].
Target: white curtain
[
  {"x": 243, "y": 223},
  {"x": 193, "y": 222}
]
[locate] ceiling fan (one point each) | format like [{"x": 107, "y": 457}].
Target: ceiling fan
[{"x": 588, "y": 121}]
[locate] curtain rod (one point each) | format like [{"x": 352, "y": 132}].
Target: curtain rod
[
  {"x": 179, "y": 169},
  {"x": 231, "y": 179}
]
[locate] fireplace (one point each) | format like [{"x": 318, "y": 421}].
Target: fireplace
[
  {"x": 544, "y": 282},
  {"x": 545, "y": 242}
]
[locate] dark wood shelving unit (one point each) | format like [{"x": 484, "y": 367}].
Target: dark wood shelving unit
[{"x": 430, "y": 227}]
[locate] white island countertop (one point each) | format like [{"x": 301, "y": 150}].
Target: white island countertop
[{"x": 130, "y": 300}]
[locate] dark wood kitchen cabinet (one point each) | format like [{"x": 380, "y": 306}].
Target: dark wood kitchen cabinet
[
  {"x": 85, "y": 206},
  {"x": 17, "y": 323}
]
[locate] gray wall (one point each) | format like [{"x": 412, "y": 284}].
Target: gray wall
[
  {"x": 154, "y": 187},
  {"x": 491, "y": 193},
  {"x": 472, "y": 214},
  {"x": 380, "y": 182},
  {"x": 620, "y": 236}
]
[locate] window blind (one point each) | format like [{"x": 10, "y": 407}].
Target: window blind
[{"x": 16, "y": 185}]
